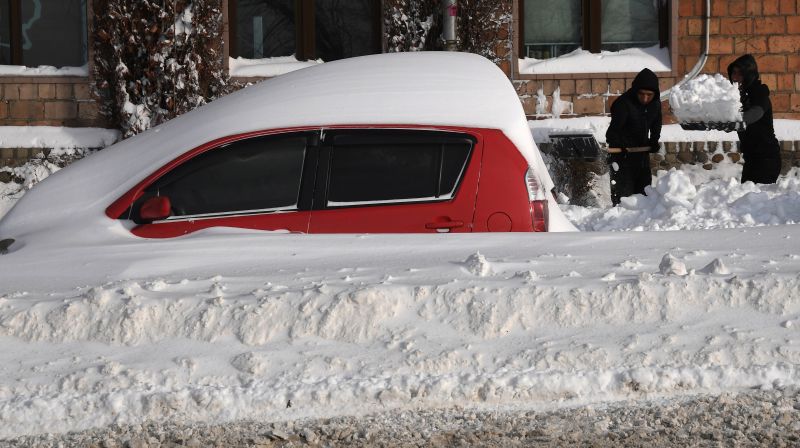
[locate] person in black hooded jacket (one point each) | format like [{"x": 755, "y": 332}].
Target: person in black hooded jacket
[
  {"x": 635, "y": 129},
  {"x": 759, "y": 147}
]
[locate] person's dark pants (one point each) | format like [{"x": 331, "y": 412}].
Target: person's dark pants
[
  {"x": 761, "y": 170},
  {"x": 630, "y": 173}
]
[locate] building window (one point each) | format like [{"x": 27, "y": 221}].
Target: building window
[
  {"x": 308, "y": 29},
  {"x": 551, "y": 28},
  {"x": 43, "y": 32}
]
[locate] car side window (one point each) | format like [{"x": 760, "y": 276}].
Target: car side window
[
  {"x": 395, "y": 167},
  {"x": 256, "y": 174}
]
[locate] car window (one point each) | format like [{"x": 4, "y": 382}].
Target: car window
[
  {"x": 395, "y": 168},
  {"x": 256, "y": 174}
]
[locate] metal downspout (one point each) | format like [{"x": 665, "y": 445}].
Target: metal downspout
[
  {"x": 450, "y": 11},
  {"x": 703, "y": 56}
]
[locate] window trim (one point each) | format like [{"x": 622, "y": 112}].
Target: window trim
[
  {"x": 118, "y": 208},
  {"x": 429, "y": 136},
  {"x": 305, "y": 32},
  {"x": 305, "y": 192},
  {"x": 15, "y": 22},
  {"x": 668, "y": 32},
  {"x": 15, "y": 36}
]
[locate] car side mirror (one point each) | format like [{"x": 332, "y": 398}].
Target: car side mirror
[{"x": 155, "y": 208}]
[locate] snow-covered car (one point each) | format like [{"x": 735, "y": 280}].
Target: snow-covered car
[{"x": 416, "y": 142}]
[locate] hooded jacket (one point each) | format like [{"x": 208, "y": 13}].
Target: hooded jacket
[
  {"x": 633, "y": 123},
  {"x": 758, "y": 139}
]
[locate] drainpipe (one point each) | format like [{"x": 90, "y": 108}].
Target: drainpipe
[
  {"x": 450, "y": 8},
  {"x": 700, "y": 63}
]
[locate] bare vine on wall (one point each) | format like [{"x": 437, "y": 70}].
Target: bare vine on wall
[
  {"x": 412, "y": 25},
  {"x": 156, "y": 59},
  {"x": 483, "y": 26}
]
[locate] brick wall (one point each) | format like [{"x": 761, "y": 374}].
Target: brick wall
[
  {"x": 768, "y": 29},
  {"x": 51, "y": 100},
  {"x": 48, "y": 101}
]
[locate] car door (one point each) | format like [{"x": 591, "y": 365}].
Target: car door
[
  {"x": 256, "y": 183},
  {"x": 396, "y": 181}
]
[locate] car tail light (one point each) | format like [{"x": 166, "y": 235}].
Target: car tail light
[{"x": 538, "y": 199}]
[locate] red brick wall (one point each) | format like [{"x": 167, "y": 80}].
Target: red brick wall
[
  {"x": 47, "y": 101},
  {"x": 50, "y": 101},
  {"x": 768, "y": 29}
]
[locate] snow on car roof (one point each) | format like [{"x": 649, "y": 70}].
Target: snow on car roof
[{"x": 424, "y": 88}]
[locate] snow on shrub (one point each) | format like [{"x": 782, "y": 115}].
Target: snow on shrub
[
  {"x": 156, "y": 60},
  {"x": 411, "y": 25},
  {"x": 482, "y": 24}
]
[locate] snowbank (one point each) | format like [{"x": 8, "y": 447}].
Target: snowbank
[
  {"x": 239, "y": 326},
  {"x": 676, "y": 202}
]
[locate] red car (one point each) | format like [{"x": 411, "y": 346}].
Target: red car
[{"x": 417, "y": 142}]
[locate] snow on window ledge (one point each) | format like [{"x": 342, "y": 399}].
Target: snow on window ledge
[
  {"x": 44, "y": 70},
  {"x": 267, "y": 67},
  {"x": 56, "y": 137},
  {"x": 630, "y": 60}
]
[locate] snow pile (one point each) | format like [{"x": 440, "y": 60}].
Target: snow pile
[
  {"x": 677, "y": 202},
  {"x": 24, "y": 177},
  {"x": 68, "y": 144},
  {"x": 239, "y": 325},
  {"x": 706, "y": 98}
]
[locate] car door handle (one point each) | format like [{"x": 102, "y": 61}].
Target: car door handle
[{"x": 444, "y": 224}]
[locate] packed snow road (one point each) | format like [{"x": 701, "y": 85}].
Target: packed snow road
[{"x": 756, "y": 418}]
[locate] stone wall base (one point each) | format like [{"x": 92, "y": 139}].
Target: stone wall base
[
  {"x": 675, "y": 154},
  {"x": 13, "y": 157}
]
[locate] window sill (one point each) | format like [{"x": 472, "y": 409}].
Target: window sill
[
  {"x": 14, "y": 74},
  {"x": 581, "y": 64},
  {"x": 256, "y": 69}
]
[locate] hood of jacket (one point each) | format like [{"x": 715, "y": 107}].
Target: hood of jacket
[
  {"x": 747, "y": 65},
  {"x": 646, "y": 80}
]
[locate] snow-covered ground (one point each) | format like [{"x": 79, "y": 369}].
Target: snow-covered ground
[{"x": 231, "y": 325}]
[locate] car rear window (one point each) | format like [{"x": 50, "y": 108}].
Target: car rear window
[
  {"x": 393, "y": 167},
  {"x": 256, "y": 174}
]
